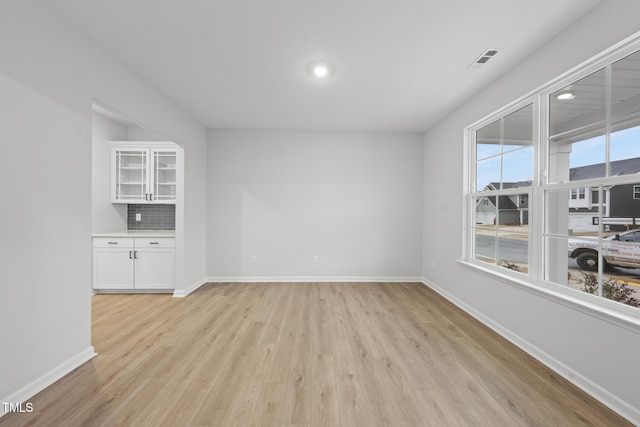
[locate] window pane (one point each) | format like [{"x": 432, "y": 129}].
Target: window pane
[
  {"x": 577, "y": 160},
  {"x": 577, "y": 148},
  {"x": 609, "y": 286},
  {"x": 625, "y": 151},
  {"x": 625, "y": 112},
  {"x": 556, "y": 265},
  {"x": 512, "y": 250},
  {"x": 573, "y": 229},
  {"x": 485, "y": 244},
  {"x": 512, "y": 242},
  {"x": 583, "y": 253},
  {"x": 517, "y": 161},
  {"x": 488, "y": 141},
  {"x": 485, "y": 211},
  {"x": 508, "y": 212},
  {"x": 572, "y": 212},
  {"x": 557, "y": 211},
  {"x": 485, "y": 229},
  {"x": 517, "y": 168},
  {"x": 501, "y": 231},
  {"x": 625, "y": 88},
  {"x": 488, "y": 150},
  {"x": 569, "y": 221},
  {"x": 578, "y": 105},
  {"x": 619, "y": 280},
  {"x": 504, "y": 152},
  {"x": 587, "y": 159},
  {"x": 518, "y": 129},
  {"x": 488, "y": 172},
  {"x": 623, "y": 205}
]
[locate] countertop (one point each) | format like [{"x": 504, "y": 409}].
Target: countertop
[{"x": 137, "y": 233}]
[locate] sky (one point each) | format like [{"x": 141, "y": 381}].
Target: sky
[{"x": 625, "y": 144}]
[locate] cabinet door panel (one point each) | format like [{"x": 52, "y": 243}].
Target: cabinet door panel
[
  {"x": 130, "y": 182},
  {"x": 163, "y": 176},
  {"x": 155, "y": 268},
  {"x": 112, "y": 268}
]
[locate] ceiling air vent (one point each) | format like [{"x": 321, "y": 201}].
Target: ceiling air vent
[{"x": 483, "y": 59}]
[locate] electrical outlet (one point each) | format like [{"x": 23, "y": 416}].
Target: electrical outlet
[
  {"x": 253, "y": 259},
  {"x": 316, "y": 259},
  {"x": 138, "y": 216}
]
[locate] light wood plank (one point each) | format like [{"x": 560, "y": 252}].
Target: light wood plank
[{"x": 304, "y": 354}]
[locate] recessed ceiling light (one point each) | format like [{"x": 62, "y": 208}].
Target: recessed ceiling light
[
  {"x": 564, "y": 96},
  {"x": 320, "y": 70}
]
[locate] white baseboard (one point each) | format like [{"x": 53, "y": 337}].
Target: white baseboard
[
  {"x": 181, "y": 293},
  {"x": 616, "y": 404},
  {"x": 28, "y": 391},
  {"x": 310, "y": 279}
]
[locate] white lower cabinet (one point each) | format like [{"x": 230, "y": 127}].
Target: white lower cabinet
[
  {"x": 128, "y": 263},
  {"x": 113, "y": 263},
  {"x": 154, "y": 263}
]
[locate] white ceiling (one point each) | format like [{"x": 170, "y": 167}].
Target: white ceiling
[{"x": 400, "y": 65}]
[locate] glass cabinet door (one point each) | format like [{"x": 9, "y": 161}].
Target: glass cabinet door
[
  {"x": 131, "y": 169},
  {"x": 164, "y": 176}
]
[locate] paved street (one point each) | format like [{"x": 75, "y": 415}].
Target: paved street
[{"x": 510, "y": 250}]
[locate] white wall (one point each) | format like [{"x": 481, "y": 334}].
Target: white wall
[
  {"x": 137, "y": 133},
  {"x": 353, "y": 199},
  {"x": 598, "y": 355},
  {"x": 106, "y": 216},
  {"x": 191, "y": 217},
  {"x": 49, "y": 77}
]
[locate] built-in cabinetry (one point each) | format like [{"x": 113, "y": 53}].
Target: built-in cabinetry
[
  {"x": 143, "y": 173},
  {"x": 133, "y": 263}
]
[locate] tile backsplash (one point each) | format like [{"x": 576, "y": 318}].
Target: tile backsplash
[{"x": 154, "y": 217}]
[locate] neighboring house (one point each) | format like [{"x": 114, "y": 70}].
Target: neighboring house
[
  {"x": 621, "y": 203},
  {"x": 512, "y": 209}
]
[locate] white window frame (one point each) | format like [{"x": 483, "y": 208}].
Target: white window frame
[
  {"x": 470, "y": 178},
  {"x": 625, "y": 316},
  {"x": 636, "y": 192}
]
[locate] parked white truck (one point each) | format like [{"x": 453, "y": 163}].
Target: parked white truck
[{"x": 619, "y": 250}]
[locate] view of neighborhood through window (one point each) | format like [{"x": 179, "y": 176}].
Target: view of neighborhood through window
[
  {"x": 594, "y": 137},
  {"x": 504, "y": 170},
  {"x": 588, "y": 214}
]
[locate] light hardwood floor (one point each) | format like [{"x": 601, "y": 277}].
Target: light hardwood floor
[{"x": 304, "y": 354}]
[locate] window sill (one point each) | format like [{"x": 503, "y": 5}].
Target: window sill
[{"x": 609, "y": 311}]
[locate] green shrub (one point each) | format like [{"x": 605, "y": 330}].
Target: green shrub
[{"x": 611, "y": 289}]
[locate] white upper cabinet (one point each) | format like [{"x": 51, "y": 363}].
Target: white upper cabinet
[{"x": 143, "y": 173}]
